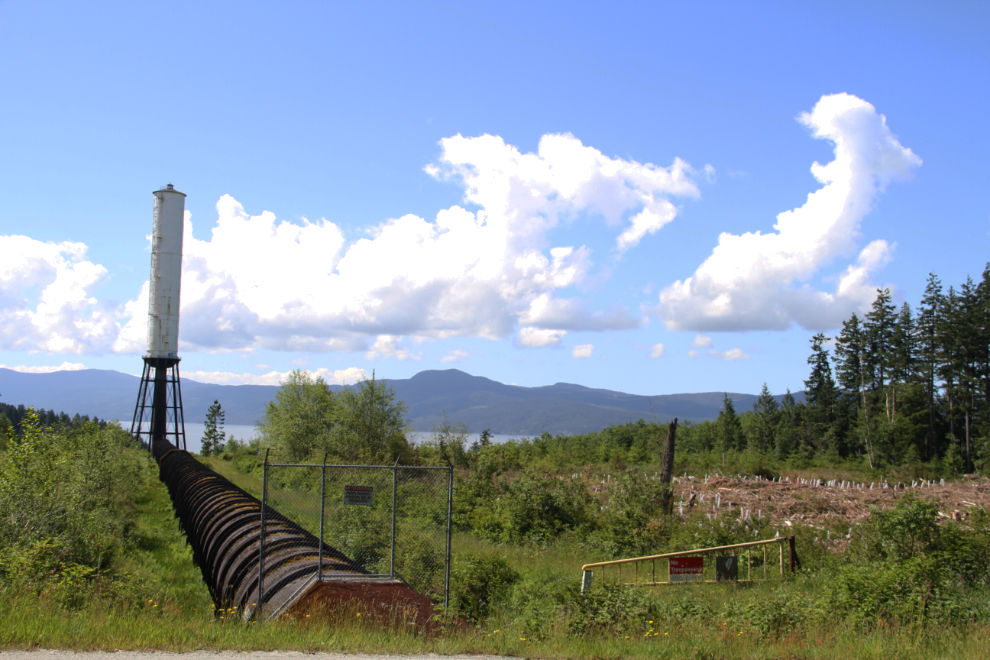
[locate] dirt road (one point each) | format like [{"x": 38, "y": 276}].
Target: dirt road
[{"x": 222, "y": 655}]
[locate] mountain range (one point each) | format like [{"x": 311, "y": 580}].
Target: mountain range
[{"x": 478, "y": 402}]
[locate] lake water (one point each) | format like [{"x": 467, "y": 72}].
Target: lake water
[{"x": 194, "y": 434}]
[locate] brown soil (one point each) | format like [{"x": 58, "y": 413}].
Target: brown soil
[
  {"x": 381, "y": 600},
  {"x": 819, "y": 502}
]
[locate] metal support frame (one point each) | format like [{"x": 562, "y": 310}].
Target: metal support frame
[{"x": 158, "y": 409}]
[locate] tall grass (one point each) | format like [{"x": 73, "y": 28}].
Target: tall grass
[
  {"x": 160, "y": 603},
  {"x": 32, "y": 623}
]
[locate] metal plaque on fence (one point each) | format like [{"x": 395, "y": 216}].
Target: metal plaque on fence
[
  {"x": 687, "y": 569},
  {"x": 726, "y": 568},
  {"x": 359, "y": 495}
]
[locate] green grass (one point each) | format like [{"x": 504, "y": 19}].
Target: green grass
[
  {"x": 31, "y": 623},
  {"x": 159, "y": 555},
  {"x": 165, "y": 606}
]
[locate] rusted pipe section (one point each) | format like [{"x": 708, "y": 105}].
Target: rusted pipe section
[{"x": 223, "y": 525}]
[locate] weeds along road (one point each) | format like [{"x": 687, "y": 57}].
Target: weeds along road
[{"x": 45, "y": 654}]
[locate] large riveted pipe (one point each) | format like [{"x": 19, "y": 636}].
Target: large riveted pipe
[{"x": 223, "y": 525}]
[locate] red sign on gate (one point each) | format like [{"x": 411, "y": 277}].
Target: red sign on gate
[{"x": 687, "y": 569}]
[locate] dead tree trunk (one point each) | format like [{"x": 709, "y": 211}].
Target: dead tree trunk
[{"x": 667, "y": 468}]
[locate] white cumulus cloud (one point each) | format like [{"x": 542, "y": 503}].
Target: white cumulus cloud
[
  {"x": 759, "y": 281},
  {"x": 347, "y": 376},
  {"x": 539, "y": 337},
  {"x": 387, "y": 346},
  {"x": 500, "y": 264},
  {"x": 65, "y": 366},
  {"x": 582, "y": 351},
  {"x": 258, "y": 282},
  {"x": 656, "y": 351},
  {"x": 47, "y": 298}
]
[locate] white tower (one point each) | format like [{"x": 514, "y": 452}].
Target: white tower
[{"x": 158, "y": 412}]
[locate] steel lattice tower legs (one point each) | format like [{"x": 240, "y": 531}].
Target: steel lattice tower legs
[{"x": 158, "y": 411}]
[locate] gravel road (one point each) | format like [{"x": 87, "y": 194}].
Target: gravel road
[{"x": 224, "y": 655}]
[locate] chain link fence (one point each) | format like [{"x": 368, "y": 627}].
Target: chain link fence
[{"x": 363, "y": 521}]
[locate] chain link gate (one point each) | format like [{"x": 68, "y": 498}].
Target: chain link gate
[{"x": 367, "y": 521}]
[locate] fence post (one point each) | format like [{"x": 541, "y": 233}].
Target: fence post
[
  {"x": 395, "y": 473},
  {"x": 793, "y": 553},
  {"x": 261, "y": 539},
  {"x": 450, "y": 511},
  {"x": 323, "y": 503}
]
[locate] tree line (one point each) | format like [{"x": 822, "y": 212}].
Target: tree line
[
  {"x": 12, "y": 416},
  {"x": 904, "y": 385},
  {"x": 895, "y": 387}
]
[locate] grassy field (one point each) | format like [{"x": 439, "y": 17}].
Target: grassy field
[{"x": 158, "y": 601}]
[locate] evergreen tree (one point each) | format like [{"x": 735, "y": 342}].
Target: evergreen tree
[
  {"x": 820, "y": 396},
  {"x": 820, "y": 387},
  {"x": 213, "y": 433},
  {"x": 766, "y": 411},
  {"x": 849, "y": 348},
  {"x": 968, "y": 359},
  {"x": 903, "y": 347},
  {"x": 6, "y": 430},
  {"x": 879, "y": 326},
  {"x": 948, "y": 363},
  {"x": 729, "y": 428},
  {"x": 927, "y": 330},
  {"x": 786, "y": 434}
]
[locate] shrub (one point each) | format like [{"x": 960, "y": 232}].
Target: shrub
[
  {"x": 776, "y": 615},
  {"x": 533, "y": 509},
  {"x": 632, "y": 521},
  {"x": 479, "y": 582},
  {"x": 607, "y": 606},
  {"x": 72, "y": 488},
  {"x": 911, "y": 569}
]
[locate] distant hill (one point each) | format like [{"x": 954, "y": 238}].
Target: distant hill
[{"x": 479, "y": 402}]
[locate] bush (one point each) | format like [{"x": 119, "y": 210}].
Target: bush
[
  {"x": 632, "y": 522},
  {"x": 478, "y": 583},
  {"x": 779, "y": 614},
  {"x": 909, "y": 568},
  {"x": 609, "y": 606},
  {"x": 533, "y": 509},
  {"x": 71, "y": 489}
]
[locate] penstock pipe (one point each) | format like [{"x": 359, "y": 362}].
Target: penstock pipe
[{"x": 222, "y": 523}]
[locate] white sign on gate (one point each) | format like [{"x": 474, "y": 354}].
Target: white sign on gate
[{"x": 358, "y": 495}]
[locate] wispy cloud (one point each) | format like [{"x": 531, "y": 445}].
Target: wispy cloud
[
  {"x": 701, "y": 340},
  {"x": 729, "y": 355},
  {"x": 334, "y": 377},
  {"x": 455, "y": 355},
  {"x": 65, "y": 366},
  {"x": 582, "y": 351}
]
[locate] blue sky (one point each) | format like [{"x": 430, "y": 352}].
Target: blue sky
[{"x": 619, "y": 196}]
